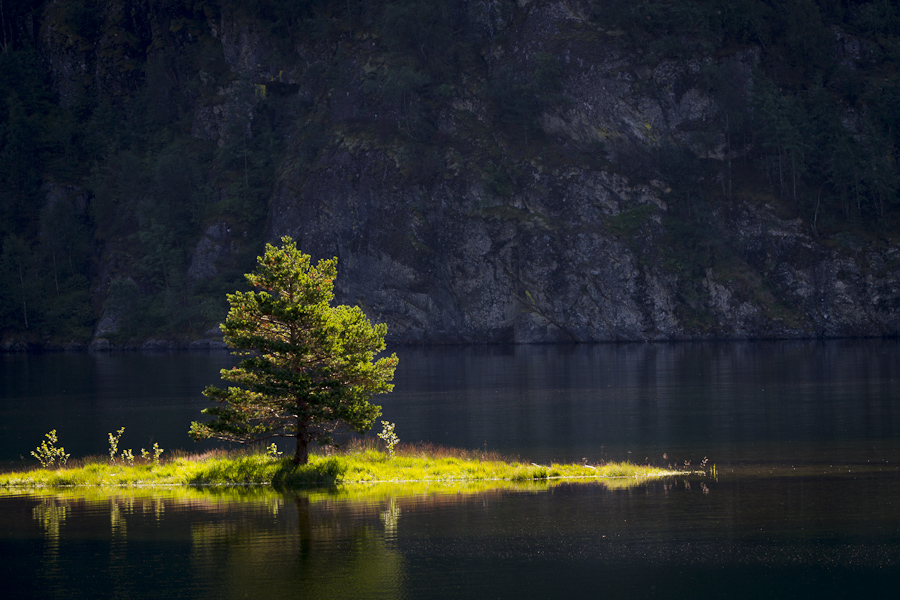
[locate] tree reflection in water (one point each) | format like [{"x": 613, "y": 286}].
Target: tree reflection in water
[
  {"x": 763, "y": 531},
  {"x": 227, "y": 542}
]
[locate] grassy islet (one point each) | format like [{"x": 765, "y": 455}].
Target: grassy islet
[{"x": 360, "y": 464}]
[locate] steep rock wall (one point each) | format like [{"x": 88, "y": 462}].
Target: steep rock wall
[
  {"x": 552, "y": 261},
  {"x": 464, "y": 225}
]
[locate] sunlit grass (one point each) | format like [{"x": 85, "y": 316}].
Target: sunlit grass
[{"x": 361, "y": 464}]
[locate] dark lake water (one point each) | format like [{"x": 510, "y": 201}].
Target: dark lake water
[{"x": 805, "y": 436}]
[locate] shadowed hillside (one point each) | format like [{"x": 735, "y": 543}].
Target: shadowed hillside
[{"x": 485, "y": 171}]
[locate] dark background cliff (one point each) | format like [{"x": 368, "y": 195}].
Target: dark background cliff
[{"x": 486, "y": 171}]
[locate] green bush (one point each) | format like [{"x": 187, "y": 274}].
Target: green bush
[{"x": 48, "y": 454}]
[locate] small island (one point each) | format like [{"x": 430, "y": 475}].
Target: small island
[{"x": 363, "y": 463}]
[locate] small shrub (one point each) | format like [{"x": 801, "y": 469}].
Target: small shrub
[
  {"x": 389, "y": 437},
  {"x": 114, "y": 444},
  {"x": 48, "y": 454},
  {"x": 157, "y": 452},
  {"x": 272, "y": 451}
]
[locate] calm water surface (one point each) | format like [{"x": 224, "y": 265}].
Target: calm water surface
[{"x": 804, "y": 435}]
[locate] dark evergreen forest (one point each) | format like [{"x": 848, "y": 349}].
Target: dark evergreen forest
[{"x": 106, "y": 184}]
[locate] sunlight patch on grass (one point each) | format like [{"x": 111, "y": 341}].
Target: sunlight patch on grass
[{"x": 359, "y": 466}]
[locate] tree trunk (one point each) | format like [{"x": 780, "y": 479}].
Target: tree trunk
[
  {"x": 349, "y": 20},
  {"x": 3, "y": 24},
  {"x": 24, "y": 305},
  {"x": 816, "y": 215},
  {"x": 55, "y": 275},
  {"x": 301, "y": 456},
  {"x": 728, "y": 153}
]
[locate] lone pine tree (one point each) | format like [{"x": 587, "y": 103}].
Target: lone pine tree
[{"x": 309, "y": 367}]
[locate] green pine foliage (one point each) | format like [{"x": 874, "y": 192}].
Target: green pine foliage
[{"x": 310, "y": 367}]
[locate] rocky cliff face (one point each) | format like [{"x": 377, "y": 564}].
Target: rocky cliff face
[
  {"x": 453, "y": 264},
  {"x": 563, "y": 228},
  {"x": 576, "y": 252}
]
